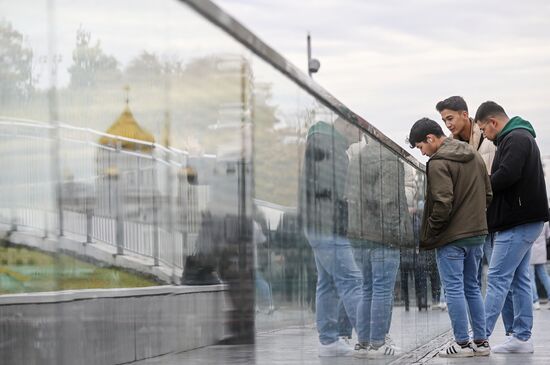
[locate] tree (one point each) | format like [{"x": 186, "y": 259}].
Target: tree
[
  {"x": 91, "y": 66},
  {"x": 16, "y": 79},
  {"x": 146, "y": 66}
]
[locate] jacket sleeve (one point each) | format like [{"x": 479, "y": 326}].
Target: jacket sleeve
[
  {"x": 513, "y": 153},
  {"x": 488, "y": 191},
  {"x": 441, "y": 191}
]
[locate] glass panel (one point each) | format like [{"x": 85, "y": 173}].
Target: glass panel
[{"x": 166, "y": 190}]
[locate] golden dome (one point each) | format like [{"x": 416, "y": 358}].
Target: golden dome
[{"x": 126, "y": 126}]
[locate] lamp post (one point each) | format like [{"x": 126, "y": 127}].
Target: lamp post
[{"x": 313, "y": 64}]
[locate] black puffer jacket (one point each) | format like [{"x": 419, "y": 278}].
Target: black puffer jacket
[{"x": 517, "y": 179}]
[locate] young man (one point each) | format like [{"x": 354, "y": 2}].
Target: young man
[
  {"x": 324, "y": 218},
  {"x": 517, "y": 214},
  {"x": 454, "y": 223},
  {"x": 454, "y": 113}
]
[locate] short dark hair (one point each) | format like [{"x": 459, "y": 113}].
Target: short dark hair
[
  {"x": 421, "y": 128},
  {"x": 454, "y": 103},
  {"x": 488, "y": 109}
]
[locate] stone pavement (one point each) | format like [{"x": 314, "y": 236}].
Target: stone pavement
[
  {"x": 297, "y": 345},
  {"x": 410, "y": 330},
  {"x": 541, "y": 340}
]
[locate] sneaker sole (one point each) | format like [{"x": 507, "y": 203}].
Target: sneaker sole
[
  {"x": 496, "y": 351},
  {"x": 337, "y": 355},
  {"x": 457, "y": 355},
  {"x": 482, "y": 353}
]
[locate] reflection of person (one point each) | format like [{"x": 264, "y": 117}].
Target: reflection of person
[
  {"x": 454, "y": 113},
  {"x": 538, "y": 265},
  {"x": 454, "y": 223},
  {"x": 516, "y": 214},
  {"x": 323, "y": 213},
  {"x": 379, "y": 223}
]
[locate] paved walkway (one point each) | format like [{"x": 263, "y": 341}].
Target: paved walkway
[
  {"x": 541, "y": 340},
  {"x": 298, "y": 346}
]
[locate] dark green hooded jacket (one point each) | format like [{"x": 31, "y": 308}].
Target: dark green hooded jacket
[
  {"x": 517, "y": 179},
  {"x": 457, "y": 196}
]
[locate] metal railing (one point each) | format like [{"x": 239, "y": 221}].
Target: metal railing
[{"x": 139, "y": 201}]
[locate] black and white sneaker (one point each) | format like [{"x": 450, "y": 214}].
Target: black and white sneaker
[
  {"x": 456, "y": 350},
  {"x": 385, "y": 350},
  {"x": 482, "y": 349}
]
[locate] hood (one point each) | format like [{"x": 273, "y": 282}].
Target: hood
[
  {"x": 516, "y": 123},
  {"x": 454, "y": 150},
  {"x": 326, "y": 129}
]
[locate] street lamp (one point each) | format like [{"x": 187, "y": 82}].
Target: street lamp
[{"x": 313, "y": 64}]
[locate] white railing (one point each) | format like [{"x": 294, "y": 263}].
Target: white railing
[{"x": 138, "y": 201}]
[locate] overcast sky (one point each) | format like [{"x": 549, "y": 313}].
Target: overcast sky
[
  {"x": 388, "y": 60},
  {"x": 391, "y": 61}
]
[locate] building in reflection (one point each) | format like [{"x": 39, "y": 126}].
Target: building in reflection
[{"x": 126, "y": 169}]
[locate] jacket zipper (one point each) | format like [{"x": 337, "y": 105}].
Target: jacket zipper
[{"x": 519, "y": 199}]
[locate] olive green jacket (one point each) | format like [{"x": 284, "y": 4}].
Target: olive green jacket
[{"x": 457, "y": 195}]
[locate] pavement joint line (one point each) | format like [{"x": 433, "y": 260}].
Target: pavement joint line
[{"x": 424, "y": 353}]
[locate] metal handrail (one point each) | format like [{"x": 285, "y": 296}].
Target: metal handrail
[{"x": 243, "y": 35}]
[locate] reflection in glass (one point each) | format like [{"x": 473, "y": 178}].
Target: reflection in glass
[
  {"x": 379, "y": 225},
  {"x": 186, "y": 162},
  {"x": 324, "y": 214}
]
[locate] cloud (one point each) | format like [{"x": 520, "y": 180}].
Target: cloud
[{"x": 391, "y": 61}]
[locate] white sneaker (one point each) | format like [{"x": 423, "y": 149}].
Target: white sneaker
[
  {"x": 390, "y": 342},
  {"x": 536, "y": 306},
  {"x": 361, "y": 351},
  {"x": 482, "y": 349},
  {"x": 337, "y": 348},
  {"x": 514, "y": 345},
  {"x": 455, "y": 350},
  {"x": 385, "y": 350},
  {"x": 347, "y": 340}
]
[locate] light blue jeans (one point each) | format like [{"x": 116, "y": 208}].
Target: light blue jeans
[
  {"x": 508, "y": 309},
  {"x": 487, "y": 253},
  {"x": 458, "y": 268},
  {"x": 337, "y": 277},
  {"x": 264, "y": 295},
  {"x": 509, "y": 270},
  {"x": 540, "y": 271},
  {"x": 379, "y": 264}
]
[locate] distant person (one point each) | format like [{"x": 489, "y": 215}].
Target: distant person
[
  {"x": 517, "y": 214},
  {"x": 324, "y": 217},
  {"x": 538, "y": 265},
  {"x": 455, "y": 224}
]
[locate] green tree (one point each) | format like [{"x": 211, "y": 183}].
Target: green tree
[
  {"x": 144, "y": 68},
  {"x": 91, "y": 66},
  {"x": 16, "y": 79}
]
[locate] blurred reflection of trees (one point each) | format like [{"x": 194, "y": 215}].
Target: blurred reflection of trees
[{"x": 16, "y": 78}]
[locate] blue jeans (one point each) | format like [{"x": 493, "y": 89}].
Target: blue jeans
[
  {"x": 379, "y": 264},
  {"x": 540, "y": 271},
  {"x": 264, "y": 295},
  {"x": 508, "y": 309},
  {"x": 337, "y": 278},
  {"x": 509, "y": 270},
  {"x": 487, "y": 253},
  {"x": 345, "y": 328},
  {"x": 458, "y": 268}
]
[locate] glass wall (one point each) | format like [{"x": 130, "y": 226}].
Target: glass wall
[{"x": 177, "y": 186}]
